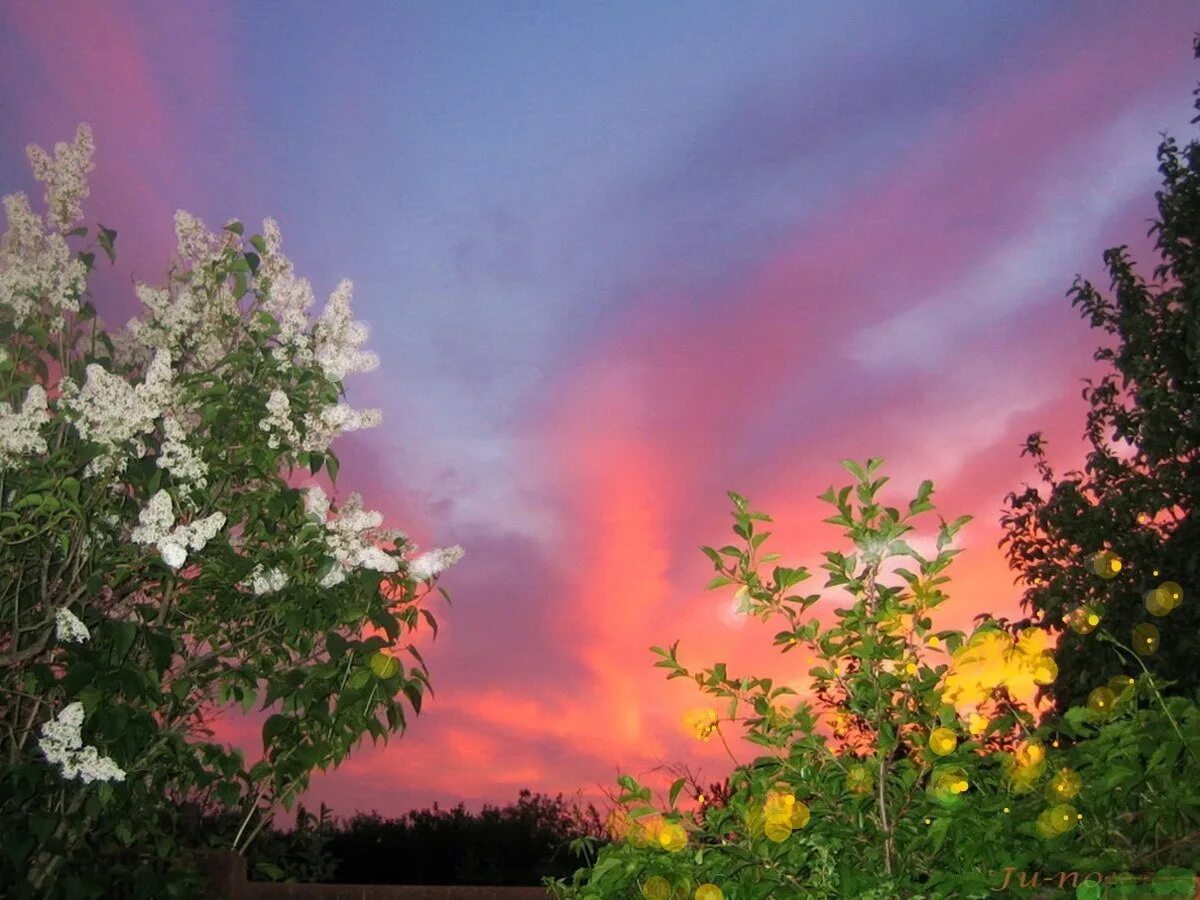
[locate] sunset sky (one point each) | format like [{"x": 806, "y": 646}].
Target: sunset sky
[{"x": 617, "y": 259}]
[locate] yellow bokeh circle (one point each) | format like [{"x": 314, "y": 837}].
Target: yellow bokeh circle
[
  {"x": 942, "y": 741},
  {"x": 859, "y": 780},
  {"x": 384, "y": 665},
  {"x": 1065, "y": 784},
  {"x": 1145, "y": 639},
  {"x": 656, "y": 888},
  {"x": 1106, "y": 564},
  {"x": 1158, "y": 602},
  {"x": 1102, "y": 700},
  {"x": 1174, "y": 592},
  {"x": 1083, "y": 620}
]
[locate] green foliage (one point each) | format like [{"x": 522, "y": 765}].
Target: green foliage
[
  {"x": 901, "y": 794},
  {"x": 172, "y": 646},
  {"x": 1136, "y": 494}
]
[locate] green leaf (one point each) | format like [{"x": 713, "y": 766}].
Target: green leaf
[
  {"x": 854, "y": 469},
  {"x": 412, "y": 690},
  {"x": 676, "y": 787},
  {"x": 273, "y": 727},
  {"x": 270, "y": 870},
  {"x": 235, "y": 226},
  {"x": 108, "y": 239}
]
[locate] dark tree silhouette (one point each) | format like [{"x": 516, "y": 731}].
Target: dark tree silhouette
[
  {"x": 517, "y": 844},
  {"x": 1137, "y": 493}
]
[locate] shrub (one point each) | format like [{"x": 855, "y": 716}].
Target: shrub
[
  {"x": 158, "y": 563},
  {"x": 913, "y": 769}
]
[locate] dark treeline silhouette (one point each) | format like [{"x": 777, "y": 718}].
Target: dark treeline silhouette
[{"x": 516, "y": 844}]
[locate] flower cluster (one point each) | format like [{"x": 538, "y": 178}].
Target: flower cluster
[
  {"x": 170, "y": 315},
  {"x": 337, "y": 337},
  {"x": 991, "y": 659},
  {"x": 288, "y": 299},
  {"x": 156, "y": 526},
  {"x": 62, "y": 745},
  {"x": 194, "y": 242},
  {"x": 178, "y": 458},
  {"x": 278, "y": 422},
  {"x": 68, "y": 628},
  {"x": 323, "y": 428},
  {"x": 350, "y": 535},
  {"x": 20, "y": 429},
  {"x": 111, "y": 412},
  {"x": 36, "y": 268},
  {"x": 65, "y": 177},
  {"x": 267, "y": 581},
  {"x": 433, "y": 562}
]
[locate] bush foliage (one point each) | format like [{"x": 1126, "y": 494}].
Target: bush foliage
[
  {"x": 914, "y": 770},
  {"x": 158, "y": 564}
]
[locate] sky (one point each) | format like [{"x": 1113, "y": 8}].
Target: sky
[{"x": 618, "y": 259}]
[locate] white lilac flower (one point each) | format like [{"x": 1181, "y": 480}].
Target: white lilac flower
[
  {"x": 333, "y": 577},
  {"x": 434, "y": 562},
  {"x": 62, "y": 733},
  {"x": 156, "y": 526},
  {"x": 278, "y": 422},
  {"x": 323, "y": 428},
  {"x": 173, "y": 554},
  {"x": 267, "y": 581},
  {"x": 36, "y": 268},
  {"x": 169, "y": 315},
  {"x": 68, "y": 627},
  {"x": 20, "y": 429},
  {"x": 316, "y": 504},
  {"x": 288, "y": 300},
  {"x": 351, "y": 536},
  {"x": 88, "y": 765},
  {"x": 337, "y": 337},
  {"x": 178, "y": 458},
  {"x": 195, "y": 242},
  {"x": 65, "y": 177},
  {"x": 155, "y": 520},
  {"x": 62, "y": 745},
  {"x": 112, "y": 412}
]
